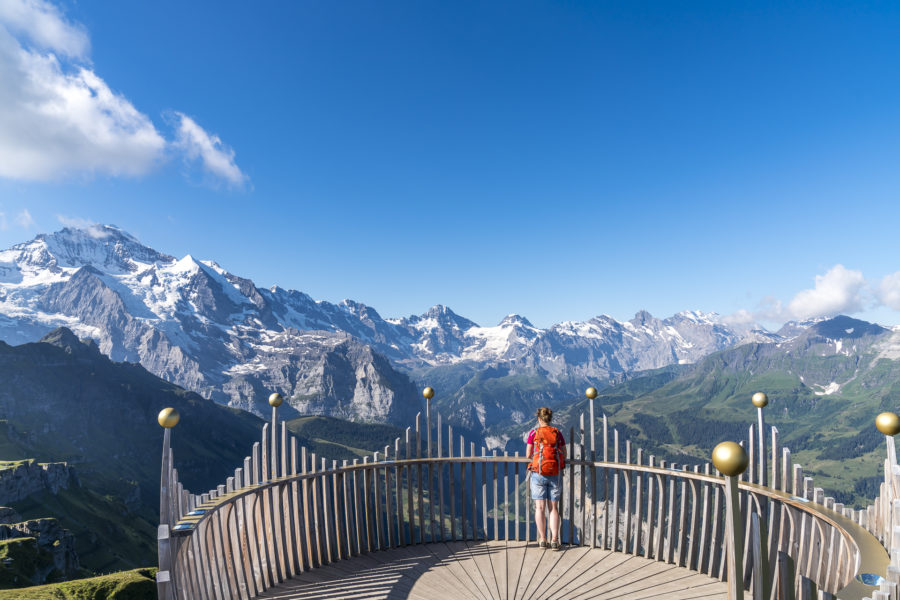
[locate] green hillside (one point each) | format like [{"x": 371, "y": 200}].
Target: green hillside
[
  {"x": 64, "y": 401},
  {"x": 824, "y": 393}
]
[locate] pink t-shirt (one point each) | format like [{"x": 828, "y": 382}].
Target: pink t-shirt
[{"x": 533, "y": 433}]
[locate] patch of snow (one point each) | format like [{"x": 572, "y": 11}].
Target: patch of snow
[{"x": 831, "y": 388}]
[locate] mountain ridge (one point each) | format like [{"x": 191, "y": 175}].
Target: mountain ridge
[{"x": 194, "y": 323}]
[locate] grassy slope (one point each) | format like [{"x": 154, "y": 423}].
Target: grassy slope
[{"x": 136, "y": 584}]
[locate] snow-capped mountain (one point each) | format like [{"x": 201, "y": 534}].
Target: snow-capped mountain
[{"x": 201, "y": 327}]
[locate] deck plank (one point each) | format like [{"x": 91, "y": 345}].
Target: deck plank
[{"x": 503, "y": 570}]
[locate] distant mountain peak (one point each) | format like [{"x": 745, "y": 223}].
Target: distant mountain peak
[
  {"x": 514, "y": 319},
  {"x": 844, "y": 327},
  {"x": 105, "y": 246},
  {"x": 642, "y": 317},
  {"x": 62, "y": 337}
]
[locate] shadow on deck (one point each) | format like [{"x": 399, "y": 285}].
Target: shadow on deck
[{"x": 497, "y": 571}]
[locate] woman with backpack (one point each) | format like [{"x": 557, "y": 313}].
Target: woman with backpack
[{"x": 547, "y": 450}]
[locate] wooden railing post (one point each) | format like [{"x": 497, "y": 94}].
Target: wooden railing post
[
  {"x": 168, "y": 418},
  {"x": 731, "y": 460}
]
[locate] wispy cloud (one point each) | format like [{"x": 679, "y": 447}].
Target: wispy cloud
[
  {"x": 888, "y": 292},
  {"x": 216, "y": 158},
  {"x": 44, "y": 26},
  {"x": 24, "y": 219},
  {"x": 59, "y": 118},
  {"x": 92, "y": 228}
]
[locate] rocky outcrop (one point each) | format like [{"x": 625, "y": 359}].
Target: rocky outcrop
[
  {"x": 29, "y": 477},
  {"x": 58, "y": 542}
]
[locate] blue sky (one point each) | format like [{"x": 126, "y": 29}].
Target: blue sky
[{"x": 556, "y": 160}]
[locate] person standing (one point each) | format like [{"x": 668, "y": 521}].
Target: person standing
[{"x": 546, "y": 448}]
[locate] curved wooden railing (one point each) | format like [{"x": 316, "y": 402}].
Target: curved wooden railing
[{"x": 286, "y": 511}]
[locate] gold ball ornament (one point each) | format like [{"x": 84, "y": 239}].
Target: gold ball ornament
[
  {"x": 888, "y": 423},
  {"x": 168, "y": 417},
  {"x": 591, "y": 392},
  {"x": 760, "y": 399},
  {"x": 428, "y": 392},
  {"x": 730, "y": 458},
  {"x": 275, "y": 399}
]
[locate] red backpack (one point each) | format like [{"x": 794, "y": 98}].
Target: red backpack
[{"x": 547, "y": 460}]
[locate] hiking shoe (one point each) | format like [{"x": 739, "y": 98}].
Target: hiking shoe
[
  {"x": 554, "y": 545},
  {"x": 542, "y": 544}
]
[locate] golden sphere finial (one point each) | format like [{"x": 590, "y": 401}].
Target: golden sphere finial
[
  {"x": 275, "y": 399},
  {"x": 428, "y": 392},
  {"x": 730, "y": 458},
  {"x": 888, "y": 423},
  {"x": 168, "y": 417},
  {"x": 591, "y": 392},
  {"x": 760, "y": 399}
]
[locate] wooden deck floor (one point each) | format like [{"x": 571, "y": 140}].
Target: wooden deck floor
[{"x": 498, "y": 571}]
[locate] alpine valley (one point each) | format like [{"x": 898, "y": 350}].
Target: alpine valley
[
  {"x": 217, "y": 334},
  {"x": 99, "y": 302}
]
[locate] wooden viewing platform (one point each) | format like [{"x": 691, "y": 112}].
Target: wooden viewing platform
[
  {"x": 499, "y": 571},
  {"x": 431, "y": 518}
]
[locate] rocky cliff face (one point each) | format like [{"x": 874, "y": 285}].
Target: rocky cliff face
[
  {"x": 55, "y": 546},
  {"x": 28, "y": 477}
]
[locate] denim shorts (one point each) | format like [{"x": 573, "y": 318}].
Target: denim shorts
[{"x": 545, "y": 488}]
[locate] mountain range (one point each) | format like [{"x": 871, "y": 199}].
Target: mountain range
[
  {"x": 201, "y": 327},
  {"x": 825, "y": 387}
]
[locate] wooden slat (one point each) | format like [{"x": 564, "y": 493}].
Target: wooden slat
[
  {"x": 593, "y": 477},
  {"x": 682, "y": 522},
  {"x": 411, "y": 537},
  {"x": 474, "y": 493},
  {"x": 670, "y": 519},
  {"x": 452, "y": 484},
  {"x": 358, "y": 524},
  {"x": 650, "y": 550},
  {"x": 516, "y": 494},
  {"x": 462, "y": 491},
  {"x": 496, "y": 502},
  {"x": 429, "y": 470},
  {"x": 638, "y": 506},
  {"x": 572, "y": 475},
  {"x": 506, "y": 496},
  {"x": 615, "y": 499},
  {"x": 705, "y": 526},
  {"x": 659, "y": 550},
  {"x": 439, "y": 505},
  {"x": 484, "y": 498},
  {"x": 582, "y": 480},
  {"x": 388, "y": 503},
  {"x": 606, "y": 542},
  {"x": 626, "y": 475},
  {"x": 371, "y": 489},
  {"x": 420, "y": 483},
  {"x": 398, "y": 492},
  {"x": 347, "y": 505}
]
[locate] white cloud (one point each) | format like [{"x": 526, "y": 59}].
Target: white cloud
[
  {"x": 59, "y": 119},
  {"x": 43, "y": 24},
  {"x": 24, "y": 220},
  {"x": 217, "y": 158},
  {"x": 889, "y": 291},
  {"x": 837, "y": 291},
  {"x": 54, "y": 123},
  {"x": 93, "y": 229}
]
